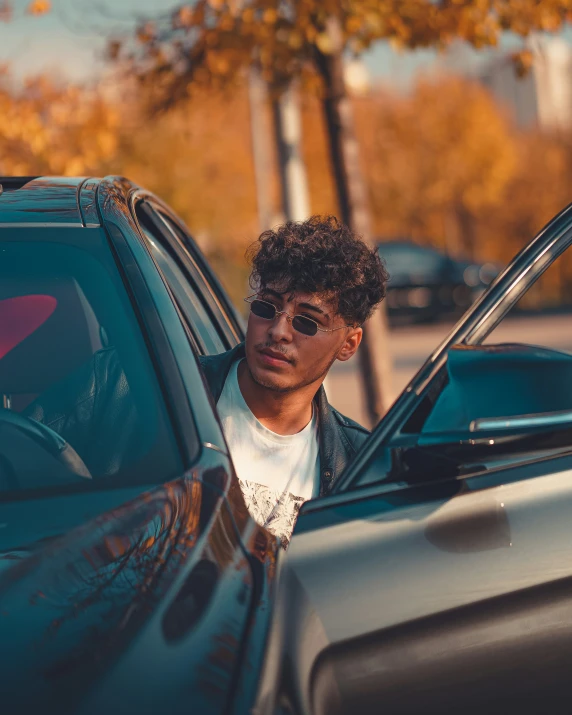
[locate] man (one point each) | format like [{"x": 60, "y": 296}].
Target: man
[{"x": 316, "y": 283}]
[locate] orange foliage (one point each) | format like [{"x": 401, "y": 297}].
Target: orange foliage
[
  {"x": 39, "y": 7},
  {"x": 210, "y": 41},
  {"x": 36, "y": 7},
  {"x": 53, "y": 130},
  {"x": 443, "y": 150},
  {"x": 446, "y": 165},
  {"x": 198, "y": 158}
]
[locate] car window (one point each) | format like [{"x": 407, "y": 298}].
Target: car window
[
  {"x": 187, "y": 296},
  {"x": 212, "y": 293},
  {"x": 542, "y": 316},
  {"x": 74, "y": 369}
]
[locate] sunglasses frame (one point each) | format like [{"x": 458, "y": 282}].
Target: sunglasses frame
[{"x": 251, "y": 298}]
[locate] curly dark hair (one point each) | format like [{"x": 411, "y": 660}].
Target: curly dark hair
[{"x": 321, "y": 255}]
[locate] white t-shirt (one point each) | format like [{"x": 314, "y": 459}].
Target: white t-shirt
[{"x": 277, "y": 473}]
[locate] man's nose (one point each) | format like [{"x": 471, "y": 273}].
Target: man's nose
[{"x": 281, "y": 328}]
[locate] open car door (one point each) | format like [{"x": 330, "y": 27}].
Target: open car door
[{"x": 437, "y": 577}]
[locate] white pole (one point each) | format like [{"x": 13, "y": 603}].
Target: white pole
[
  {"x": 288, "y": 130},
  {"x": 261, "y": 147}
]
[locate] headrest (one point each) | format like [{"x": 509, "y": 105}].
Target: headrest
[
  {"x": 44, "y": 333},
  {"x": 20, "y": 317}
]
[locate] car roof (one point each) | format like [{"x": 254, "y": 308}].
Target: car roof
[{"x": 49, "y": 200}]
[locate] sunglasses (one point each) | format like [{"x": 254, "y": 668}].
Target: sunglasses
[{"x": 301, "y": 323}]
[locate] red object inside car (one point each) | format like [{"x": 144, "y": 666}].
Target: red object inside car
[{"x": 21, "y": 316}]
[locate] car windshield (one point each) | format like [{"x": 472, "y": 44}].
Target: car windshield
[{"x": 80, "y": 404}]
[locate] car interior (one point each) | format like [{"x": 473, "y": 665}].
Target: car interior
[{"x": 72, "y": 367}]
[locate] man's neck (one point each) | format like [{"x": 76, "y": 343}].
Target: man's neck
[{"x": 282, "y": 412}]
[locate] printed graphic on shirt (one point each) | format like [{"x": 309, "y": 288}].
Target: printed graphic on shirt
[{"x": 275, "y": 511}]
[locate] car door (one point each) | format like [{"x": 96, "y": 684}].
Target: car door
[{"x": 449, "y": 593}]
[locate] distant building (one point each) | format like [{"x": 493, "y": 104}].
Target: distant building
[{"x": 544, "y": 96}]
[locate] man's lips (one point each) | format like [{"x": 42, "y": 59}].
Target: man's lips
[{"x": 271, "y": 357}]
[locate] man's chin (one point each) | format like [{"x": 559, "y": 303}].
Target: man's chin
[{"x": 269, "y": 380}]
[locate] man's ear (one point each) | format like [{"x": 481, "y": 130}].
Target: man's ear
[{"x": 350, "y": 345}]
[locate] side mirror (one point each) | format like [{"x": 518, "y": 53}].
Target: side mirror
[
  {"x": 498, "y": 400},
  {"x": 489, "y": 386}
]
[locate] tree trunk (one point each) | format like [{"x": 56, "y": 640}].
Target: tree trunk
[
  {"x": 466, "y": 232},
  {"x": 374, "y": 356}
]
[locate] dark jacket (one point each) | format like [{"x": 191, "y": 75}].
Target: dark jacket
[{"x": 339, "y": 437}]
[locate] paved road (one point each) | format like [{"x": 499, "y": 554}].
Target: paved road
[{"x": 410, "y": 346}]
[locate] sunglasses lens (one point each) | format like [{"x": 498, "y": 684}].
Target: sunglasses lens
[
  {"x": 304, "y": 325},
  {"x": 267, "y": 311},
  {"x": 262, "y": 309}
]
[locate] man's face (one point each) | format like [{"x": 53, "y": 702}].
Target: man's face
[{"x": 283, "y": 359}]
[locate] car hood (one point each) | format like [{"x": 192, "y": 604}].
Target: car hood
[{"x": 146, "y": 603}]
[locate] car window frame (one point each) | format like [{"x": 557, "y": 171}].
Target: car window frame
[
  {"x": 192, "y": 402},
  {"x": 159, "y": 343},
  {"x": 214, "y": 294},
  {"x": 183, "y": 250},
  {"x": 203, "y": 332}
]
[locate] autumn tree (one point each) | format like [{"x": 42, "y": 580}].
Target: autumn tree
[
  {"x": 47, "y": 129},
  {"x": 439, "y": 158},
  {"x": 540, "y": 188},
  {"x": 467, "y": 155}
]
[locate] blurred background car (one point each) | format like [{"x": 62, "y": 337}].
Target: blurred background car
[{"x": 426, "y": 284}]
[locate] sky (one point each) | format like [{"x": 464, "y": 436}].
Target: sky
[{"x": 69, "y": 42}]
